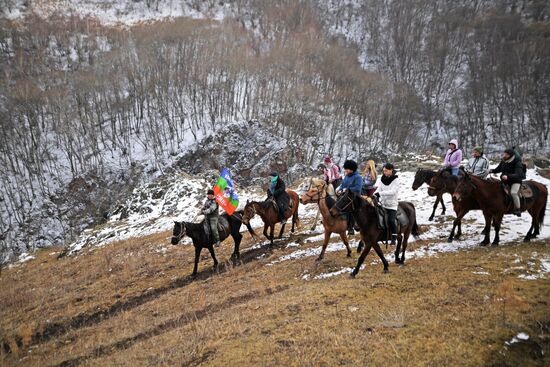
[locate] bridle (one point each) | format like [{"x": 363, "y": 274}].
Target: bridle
[
  {"x": 182, "y": 232},
  {"x": 321, "y": 191}
]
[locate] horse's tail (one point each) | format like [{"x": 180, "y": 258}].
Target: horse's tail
[
  {"x": 415, "y": 230},
  {"x": 543, "y": 211}
]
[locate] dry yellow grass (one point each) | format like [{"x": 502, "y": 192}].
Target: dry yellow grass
[{"x": 132, "y": 304}]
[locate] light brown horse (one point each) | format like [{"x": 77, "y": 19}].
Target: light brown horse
[
  {"x": 267, "y": 210},
  {"x": 323, "y": 194}
]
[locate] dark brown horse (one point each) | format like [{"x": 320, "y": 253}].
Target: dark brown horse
[
  {"x": 424, "y": 176},
  {"x": 366, "y": 217},
  {"x": 228, "y": 225},
  {"x": 491, "y": 198},
  {"x": 267, "y": 210},
  {"x": 443, "y": 181},
  {"x": 323, "y": 194}
]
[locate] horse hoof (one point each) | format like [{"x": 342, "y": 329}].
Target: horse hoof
[
  {"x": 386, "y": 271},
  {"x": 526, "y": 239},
  {"x": 318, "y": 260},
  {"x": 349, "y": 254},
  {"x": 494, "y": 244},
  {"x": 431, "y": 218},
  {"x": 449, "y": 240},
  {"x": 352, "y": 275},
  {"x": 483, "y": 244},
  {"x": 457, "y": 237}
]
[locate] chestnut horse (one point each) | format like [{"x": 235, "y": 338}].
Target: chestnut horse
[
  {"x": 443, "y": 181},
  {"x": 323, "y": 194},
  {"x": 366, "y": 217},
  {"x": 492, "y": 199},
  {"x": 268, "y": 212}
]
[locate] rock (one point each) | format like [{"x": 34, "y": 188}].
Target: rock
[{"x": 544, "y": 172}]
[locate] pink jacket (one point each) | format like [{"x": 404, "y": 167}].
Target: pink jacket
[
  {"x": 331, "y": 173},
  {"x": 453, "y": 157}
]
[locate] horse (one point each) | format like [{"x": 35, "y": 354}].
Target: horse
[
  {"x": 323, "y": 194},
  {"x": 366, "y": 216},
  {"x": 228, "y": 225},
  {"x": 491, "y": 198},
  {"x": 267, "y": 210},
  {"x": 424, "y": 176},
  {"x": 443, "y": 181}
]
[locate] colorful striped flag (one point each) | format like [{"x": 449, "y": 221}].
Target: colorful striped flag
[{"x": 223, "y": 191}]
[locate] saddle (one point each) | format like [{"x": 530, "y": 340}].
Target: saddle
[
  {"x": 223, "y": 223},
  {"x": 525, "y": 191},
  {"x": 383, "y": 224}
]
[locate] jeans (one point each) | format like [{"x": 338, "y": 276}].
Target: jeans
[
  {"x": 392, "y": 214},
  {"x": 454, "y": 171},
  {"x": 514, "y": 189}
]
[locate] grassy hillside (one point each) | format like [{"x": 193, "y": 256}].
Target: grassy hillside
[{"x": 133, "y": 303}]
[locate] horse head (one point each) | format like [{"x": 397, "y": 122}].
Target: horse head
[
  {"x": 464, "y": 188},
  {"x": 315, "y": 191},
  {"x": 248, "y": 212},
  {"x": 178, "y": 232},
  {"x": 344, "y": 204},
  {"x": 421, "y": 177}
]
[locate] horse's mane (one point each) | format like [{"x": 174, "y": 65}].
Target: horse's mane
[
  {"x": 425, "y": 174},
  {"x": 329, "y": 201}
]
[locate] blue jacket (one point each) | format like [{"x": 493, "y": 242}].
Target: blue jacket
[{"x": 353, "y": 183}]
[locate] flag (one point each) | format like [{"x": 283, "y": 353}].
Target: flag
[{"x": 224, "y": 194}]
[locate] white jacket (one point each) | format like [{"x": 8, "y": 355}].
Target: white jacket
[{"x": 389, "y": 194}]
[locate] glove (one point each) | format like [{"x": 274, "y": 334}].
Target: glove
[{"x": 377, "y": 195}]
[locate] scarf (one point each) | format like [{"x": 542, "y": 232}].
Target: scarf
[{"x": 388, "y": 180}]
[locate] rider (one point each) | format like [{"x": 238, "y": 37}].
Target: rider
[
  {"x": 512, "y": 174},
  {"x": 478, "y": 165},
  {"x": 332, "y": 173},
  {"x": 388, "y": 191},
  {"x": 453, "y": 157},
  {"x": 369, "y": 178},
  {"x": 277, "y": 192},
  {"x": 210, "y": 210},
  {"x": 352, "y": 182}
]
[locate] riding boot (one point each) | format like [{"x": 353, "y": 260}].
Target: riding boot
[
  {"x": 517, "y": 212},
  {"x": 351, "y": 232},
  {"x": 393, "y": 239},
  {"x": 281, "y": 215},
  {"x": 217, "y": 243}
]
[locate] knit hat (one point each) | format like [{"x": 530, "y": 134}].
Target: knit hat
[
  {"x": 328, "y": 159},
  {"x": 510, "y": 152},
  {"x": 350, "y": 164},
  {"x": 479, "y": 150},
  {"x": 210, "y": 192},
  {"x": 274, "y": 174}
]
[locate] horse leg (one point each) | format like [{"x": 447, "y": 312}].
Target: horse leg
[
  {"x": 364, "y": 254},
  {"x": 360, "y": 246},
  {"x": 344, "y": 237},
  {"x": 381, "y": 256},
  {"x": 398, "y": 249},
  {"x": 237, "y": 238},
  {"x": 459, "y": 231},
  {"x": 443, "y": 208},
  {"x": 197, "y": 255},
  {"x": 534, "y": 224},
  {"x": 405, "y": 243},
  {"x": 325, "y": 243},
  {"x": 282, "y": 230},
  {"x": 316, "y": 219},
  {"x": 456, "y": 223},
  {"x": 271, "y": 230},
  {"x": 435, "y": 207},
  {"x": 497, "y": 223},
  {"x": 211, "y": 249},
  {"x": 265, "y": 232}
]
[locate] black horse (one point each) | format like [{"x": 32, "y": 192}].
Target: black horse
[
  {"x": 366, "y": 217},
  {"x": 228, "y": 225},
  {"x": 424, "y": 176}
]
